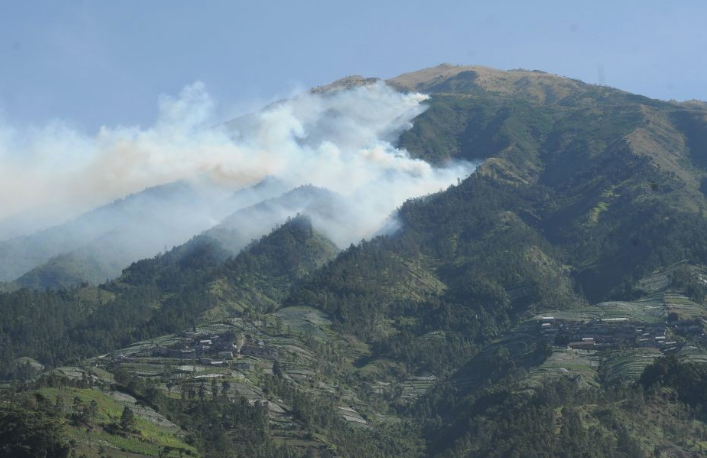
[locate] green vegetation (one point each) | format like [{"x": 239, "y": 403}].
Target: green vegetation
[
  {"x": 552, "y": 304},
  {"x": 27, "y": 433}
]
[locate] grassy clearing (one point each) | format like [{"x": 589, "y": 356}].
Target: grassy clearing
[{"x": 154, "y": 432}]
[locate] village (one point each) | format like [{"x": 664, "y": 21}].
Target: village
[
  {"x": 236, "y": 355},
  {"x": 208, "y": 349},
  {"x": 619, "y": 333}
]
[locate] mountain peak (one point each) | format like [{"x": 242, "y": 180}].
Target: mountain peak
[
  {"x": 347, "y": 82},
  {"x": 470, "y": 79}
]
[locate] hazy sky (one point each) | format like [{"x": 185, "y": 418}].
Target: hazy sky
[{"x": 106, "y": 62}]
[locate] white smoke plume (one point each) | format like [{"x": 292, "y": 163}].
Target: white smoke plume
[{"x": 341, "y": 140}]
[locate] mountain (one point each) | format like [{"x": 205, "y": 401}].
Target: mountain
[
  {"x": 618, "y": 176},
  {"x": 551, "y": 304},
  {"x": 164, "y": 294},
  {"x": 100, "y": 237},
  {"x": 243, "y": 226},
  {"x": 584, "y": 191},
  {"x": 568, "y": 206},
  {"x": 98, "y": 245},
  {"x": 267, "y": 188}
]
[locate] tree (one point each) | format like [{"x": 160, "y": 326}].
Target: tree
[
  {"x": 225, "y": 388},
  {"x": 277, "y": 369},
  {"x": 92, "y": 410},
  {"x": 127, "y": 419},
  {"x": 27, "y": 434}
]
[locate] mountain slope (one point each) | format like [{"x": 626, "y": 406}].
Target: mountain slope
[
  {"x": 512, "y": 314},
  {"x": 614, "y": 170},
  {"x": 241, "y": 227},
  {"x": 100, "y": 243},
  {"x": 173, "y": 291},
  {"x": 160, "y": 295}
]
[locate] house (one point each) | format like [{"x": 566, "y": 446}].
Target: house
[
  {"x": 184, "y": 353},
  {"x": 252, "y": 350},
  {"x": 243, "y": 366},
  {"x": 582, "y": 345}
]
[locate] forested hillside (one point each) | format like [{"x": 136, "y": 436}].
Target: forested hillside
[{"x": 551, "y": 304}]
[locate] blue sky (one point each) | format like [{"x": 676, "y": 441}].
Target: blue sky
[{"x": 106, "y": 62}]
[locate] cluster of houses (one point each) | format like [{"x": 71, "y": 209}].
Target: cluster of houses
[
  {"x": 604, "y": 333},
  {"x": 214, "y": 350}
]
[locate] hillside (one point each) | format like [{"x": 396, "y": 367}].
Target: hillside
[
  {"x": 238, "y": 229},
  {"x": 551, "y": 304},
  {"x": 98, "y": 245},
  {"x": 618, "y": 177}
]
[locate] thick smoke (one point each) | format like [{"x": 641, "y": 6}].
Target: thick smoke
[{"x": 341, "y": 140}]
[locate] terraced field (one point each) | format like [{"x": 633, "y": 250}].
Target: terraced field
[
  {"x": 650, "y": 309},
  {"x": 627, "y": 365},
  {"x": 582, "y": 365},
  {"x": 299, "y": 340},
  {"x": 686, "y": 308},
  {"x": 301, "y": 343}
]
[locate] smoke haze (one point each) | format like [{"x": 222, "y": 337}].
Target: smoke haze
[{"x": 340, "y": 140}]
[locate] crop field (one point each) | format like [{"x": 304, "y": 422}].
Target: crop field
[
  {"x": 304, "y": 320},
  {"x": 579, "y": 364},
  {"x": 628, "y": 365},
  {"x": 647, "y": 310},
  {"x": 285, "y": 336},
  {"x": 684, "y": 307},
  {"x": 693, "y": 354}
]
